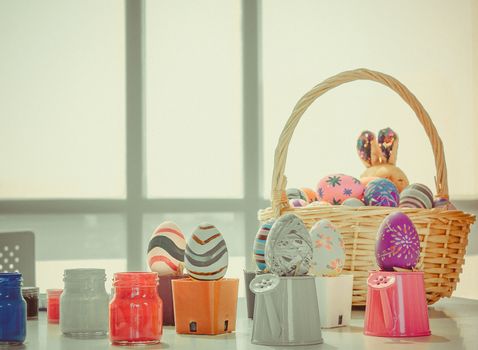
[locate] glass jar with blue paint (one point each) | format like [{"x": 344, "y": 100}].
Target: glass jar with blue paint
[{"x": 13, "y": 309}]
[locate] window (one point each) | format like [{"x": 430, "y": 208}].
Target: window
[
  {"x": 62, "y": 111},
  {"x": 118, "y": 115},
  {"x": 194, "y": 99},
  {"x": 68, "y": 171}
]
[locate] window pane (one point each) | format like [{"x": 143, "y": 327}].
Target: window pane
[
  {"x": 72, "y": 241},
  {"x": 194, "y": 99},
  {"x": 431, "y": 55},
  {"x": 62, "y": 111},
  {"x": 231, "y": 225}
]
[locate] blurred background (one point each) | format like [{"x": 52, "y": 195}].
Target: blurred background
[{"x": 117, "y": 115}]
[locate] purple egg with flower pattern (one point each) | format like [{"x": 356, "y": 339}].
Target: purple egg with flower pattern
[
  {"x": 381, "y": 193},
  {"x": 398, "y": 244}
]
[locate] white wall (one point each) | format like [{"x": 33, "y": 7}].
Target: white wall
[{"x": 428, "y": 45}]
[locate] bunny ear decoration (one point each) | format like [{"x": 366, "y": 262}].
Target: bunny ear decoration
[
  {"x": 368, "y": 149},
  {"x": 388, "y": 144}
]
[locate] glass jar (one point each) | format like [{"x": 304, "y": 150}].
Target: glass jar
[
  {"x": 30, "y": 294},
  {"x": 136, "y": 310},
  {"x": 13, "y": 310},
  {"x": 84, "y": 304},
  {"x": 53, "y": 305}
]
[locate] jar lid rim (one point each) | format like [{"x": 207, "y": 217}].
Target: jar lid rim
[
  {"x": 84, "y": 270},
  {"x": 11, "y": 278},
  {"x": 136, "y": 274},
  {"x": 10, "y": 274},
  {"x": 140, "y": 277},
  {"x": 32, "y": 289},
  {"x": 54, "y": 291}
]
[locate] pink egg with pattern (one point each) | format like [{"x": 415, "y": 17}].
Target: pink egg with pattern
[{"x": 337, "y": 188}]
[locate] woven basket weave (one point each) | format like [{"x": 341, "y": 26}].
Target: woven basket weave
[{"x": 443, "y": 233}]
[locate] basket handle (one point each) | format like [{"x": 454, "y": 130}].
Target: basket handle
[{"x": 279, "y": 180}]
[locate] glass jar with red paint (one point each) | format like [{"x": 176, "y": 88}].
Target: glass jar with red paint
[
  {"x": 136, "y": 310},
  {"x": 53, "y": 305}
]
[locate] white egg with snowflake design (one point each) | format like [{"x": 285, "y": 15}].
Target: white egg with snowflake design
[
  {"x": 398, "y": 244},
  {"x": 329, "y": 249}
]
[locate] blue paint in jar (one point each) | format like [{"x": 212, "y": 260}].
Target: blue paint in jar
[{"x": 13, "y": 309}]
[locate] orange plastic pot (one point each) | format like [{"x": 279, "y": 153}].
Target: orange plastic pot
[{"x": 205, "y": 307}]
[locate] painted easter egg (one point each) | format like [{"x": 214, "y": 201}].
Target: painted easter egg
[
  {"x": 206, "y": 256},
  {"x": 381, "y": 192},
  {"x": 416, "y": 196},
  {"x": 398, "y": 244},
  {"x": 288, "y": 247},
  {"x": 443, "y": 203},
  {"x": 260, "y": 244},
  {"x": 329, "y": 249},
  {"x": 297, "y": 203},
  {"x": 337, "y": 188},
  {"x": 310, "y": 193},
  {"x": 295, "y": 193},
  {"x": 353, "y": 202},
  {"x": 166, "y": 249}
]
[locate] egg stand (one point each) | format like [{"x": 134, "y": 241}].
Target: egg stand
[
  {"x": 205, "y": 307},
  {"x": 286, "y": 311},
  {"x": 396, "y": 305},
  {"x": 334, "y": 294},
  {"x": 166, "y": 294}
]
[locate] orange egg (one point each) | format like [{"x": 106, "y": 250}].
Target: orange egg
[{"x": 310, "y": 193}]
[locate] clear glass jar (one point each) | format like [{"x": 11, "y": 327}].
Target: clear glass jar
[
  {"x": 13, "y": 310},
  {"x": 136, "y": 310},
  {"x": 30, "y": 294},
  {"x": 84, "y": 304}
]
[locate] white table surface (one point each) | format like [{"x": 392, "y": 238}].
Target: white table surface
[{"x": 453, "y": 322}]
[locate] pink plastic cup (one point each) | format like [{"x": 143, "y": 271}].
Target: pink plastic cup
[{"x": 396, "y": 305}]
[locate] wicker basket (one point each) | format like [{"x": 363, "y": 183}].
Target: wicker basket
[{"x": 443, "y": 233}]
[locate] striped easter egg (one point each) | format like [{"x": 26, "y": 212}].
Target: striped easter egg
[
  {"x": 260, "y": 244},
  {"x": 416, "y": 196},
  {"x": 206, "y": 256},
  {"x": 166, "y": 249},
  {"x": 295, "y": 193}
]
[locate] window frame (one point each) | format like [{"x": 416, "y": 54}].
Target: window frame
[{"x": 136, "y": 204}]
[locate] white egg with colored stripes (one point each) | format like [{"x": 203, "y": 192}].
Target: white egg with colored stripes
[
  {"x": 166, "y": 249},
  {"x": 416, "y": 196},
  {"x": 206, "y": 257}
]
